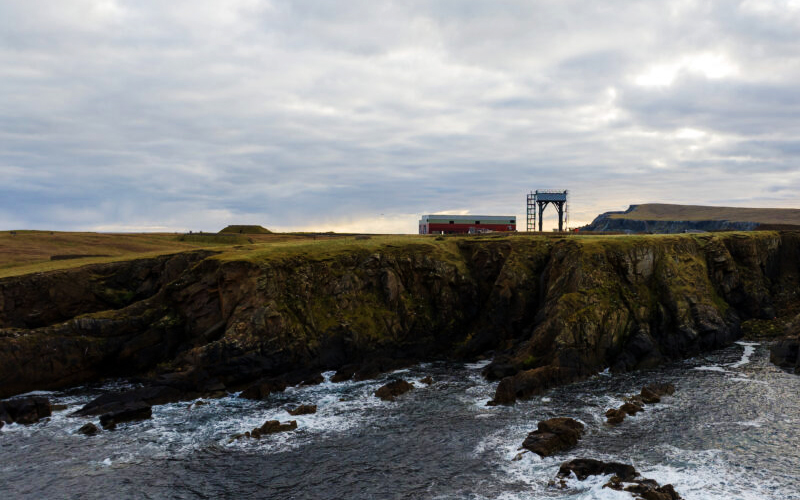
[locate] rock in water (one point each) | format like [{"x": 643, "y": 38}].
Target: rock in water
[
  {"x": 615, "y": 416},
  {"x": 585, "y": 467},
  {"x": 554, "y": 435},
  {"x": 88, "y": 429},
  {"x": 25, "y": 410},
  {"x": 314, "y": 380},
  {"x": 393, "y": 389},
  {"x": 263, "y": 388},
  {"x": 661, "y": 389},
  {"x": 786, "y": 354},
  {"x": 303, "y": 410},
  {"x": 269, "y": 427},
  {"x": 115, "y": 402},
  {"x": 649, "y": 397},
  {"x": 131, "y": 412},
  {"x": 427, "y": 380},
  {"x": 640, "y": 487}
]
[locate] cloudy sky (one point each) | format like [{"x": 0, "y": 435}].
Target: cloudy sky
[{"x": 361, "y": 115}]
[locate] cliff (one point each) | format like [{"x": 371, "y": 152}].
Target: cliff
[
  {"x": 553, "y": 310},
  {"x": 666, "y": 218}
]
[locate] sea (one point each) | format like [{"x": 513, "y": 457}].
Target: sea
[{"x": 730, "y": 431}]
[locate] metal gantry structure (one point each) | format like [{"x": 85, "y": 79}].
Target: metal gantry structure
[{"x": 538, "y": 201}]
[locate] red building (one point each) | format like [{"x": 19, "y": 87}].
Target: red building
[{"x": 453, "y": 224}]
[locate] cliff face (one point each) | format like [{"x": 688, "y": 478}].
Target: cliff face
[
  {"x": 604, "y": 223},
  {"x": 553, "y": 310}
]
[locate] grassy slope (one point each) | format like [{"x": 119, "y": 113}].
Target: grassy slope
[
  {"x": 30, "y": 251},
  {"x": 665, "y": 212}
]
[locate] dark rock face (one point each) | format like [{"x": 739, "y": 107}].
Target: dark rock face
[
  {"x": 26, "y": 410},
  {"x": 393, "y": 389},
  {"x": 88, "y": 429},
  {"x": 303, "y": 410},
  {"x": 786, "y": 354},
  {"x": 554, "y": 435},
  {"x": 44, "y": 299},
  {"x": 129, "y": 413}
]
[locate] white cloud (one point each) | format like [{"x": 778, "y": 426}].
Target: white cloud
[{"x": 709, "y": 65}]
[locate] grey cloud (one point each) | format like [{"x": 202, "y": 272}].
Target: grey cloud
[{"x": 193, "y": 114}]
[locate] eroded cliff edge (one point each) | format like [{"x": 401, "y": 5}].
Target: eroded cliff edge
[{"x": 550, "y": 310}]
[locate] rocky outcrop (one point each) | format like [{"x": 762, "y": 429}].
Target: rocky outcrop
[
  {"x": 650, "y": 394},
  {"x": 554, "y": 310},
  {"x": 303, "y": 410},
  {"x": 131, "y": 412},
  {"x": 553, "y": 435},
  {"x": 88, "y": 429},
  {"x": 393, "y": 389},
  {"x": 27, "y": 410},
  {"x": 269, "y": 427}
]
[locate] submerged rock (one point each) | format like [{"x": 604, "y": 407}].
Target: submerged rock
[
  {"x": 554, "y": 435},
  {"x": 88, "y": 429},
  {"x": 303, "y": 410},
  {"x": 131, "y": 412},
  {"x": 27, "y": 410},
  {"x": 393, "y": 389}
]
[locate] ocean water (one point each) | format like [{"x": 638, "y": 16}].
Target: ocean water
[{"x": 729, "y": 432}]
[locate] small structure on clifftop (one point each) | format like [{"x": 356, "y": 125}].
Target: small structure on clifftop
[
  {"x": 463, "y": 224},
  {"x": 540, "y": 199}
]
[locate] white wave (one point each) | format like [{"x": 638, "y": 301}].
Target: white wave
[
  {"x": 744, "y": 379},
  {"x": 751, "y": 423},
  {"x": 749, "y": 349},
  {"x": 712, "y": 368},
  {"x": 706, "y": 475},
  {"x": 478, "y": 364}
]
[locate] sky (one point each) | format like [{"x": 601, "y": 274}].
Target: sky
[{"x": 361, "y": 115}]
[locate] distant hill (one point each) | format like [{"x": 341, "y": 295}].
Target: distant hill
[
  {"x": 666, "y": 218},
  {"x": 246, "y": 230}
]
